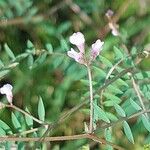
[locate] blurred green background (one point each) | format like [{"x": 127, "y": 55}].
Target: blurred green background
[{"x": 37, "y": 26}]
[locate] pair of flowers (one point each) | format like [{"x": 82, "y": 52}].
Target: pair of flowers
[
  {"x": 7, "y": 90},
  {"x": 79, "y": 40}
]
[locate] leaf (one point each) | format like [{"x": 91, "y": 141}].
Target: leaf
[
  {"x": 28, "y": 119},
  {"x": 109, "y": 103},
  {"x": 111, "y": 97},
  {"x": 128, "y": 132},
  {"x": 135, "y": 105},
  {"x": 64, "y": 44},
  {"x": 121, "y": 82},
  {"x": 146, "y": 122},
  {"x": 99, "y": 71},
  {"x": 31, "y": 48},
  {"x": 30, "y": 61},
  {"x": 3, "y": 73},
  {"x": 30, "y": 44},
  {"x": 86, "y": 82},
  {"x": 40, "y": 59},
  {"x": 100, "y": 113},
  {"x": 1, "y": 64},
  {"x": 118, "y": 53},
  {"x": 41, "y": 110},
  {"x": 5, "y": 127},
  {"x": 119, "y": 110},
  {"x": 15, "y": 122},
  {"x": 105, "y": 61},
  {"x": 114, "y": 89},
  {"x": 2, "y": 132},
  {"x": 9, "y": 52},
  {"x": 108, "y": 138},
  {"x": 22, "y": 56},
  {"x": 111, "y": 116},
  {"x": 49, "y": 47}
]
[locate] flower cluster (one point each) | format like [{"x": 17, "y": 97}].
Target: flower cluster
[
  {"x": 79, "y": 40},
  {"x": 7, "y": 90}
]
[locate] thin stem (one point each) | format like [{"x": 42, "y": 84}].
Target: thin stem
[
  {"x": 25, "y": 113},
  {"x": 138, "y": 92},
  {"x": 124, "y": 119},
  {"x": 91, "y": 99},
  {"x": 62, "y": 138}
]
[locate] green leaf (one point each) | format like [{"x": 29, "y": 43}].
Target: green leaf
[
  {"x": 118, "y": 53},
  {"x": 119, "y": 110},
  {"x": 30, "y": 61},
  {"x": 49, "y": 47},
  {"x": 31, "y": 48},
  {"x": 30, "y": 44},
  {"x": 105, "y": 61},
  {"x": 15, "y": 122},
  {"x": 22, "y": 56},
  {"x": 146, "y": 122},
  {"x": 86, "y": 82},
  {"x": 135, "y": 105},
  {"x": 28, "y": 119},
  {"x": 121, "y": 82},
  {"x": 3, "y": 73},
  {"x": 9, "y": 52},
  {"x": 100, "y": 113},
  {"x": 2, "y": 132},
  {"x": 111, "y": 116},
  {"x": 99, "y": 71},
  {"x": 1, "y": 64},
  {"x": 108, "y": 138},
  {"x": 110, "y": 103},
  {"x": 40, "y": 60},
  {"x": 111, "y": 97},
  {"x": 114, "y": 89},
  {"x": 64, "y": 44},
  {"x": 128, "y": 132},
  {"x": 5, "y": 127},
  {"x": 41, "y": 110}
]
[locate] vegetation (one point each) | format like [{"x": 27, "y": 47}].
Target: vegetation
[{"x": 97, "y": 100}]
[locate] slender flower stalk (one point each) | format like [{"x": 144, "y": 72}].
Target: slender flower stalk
[
  {"x": 78, "y": 40},
  {"x": 91, "y": 99}
]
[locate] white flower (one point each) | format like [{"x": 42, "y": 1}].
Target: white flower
[
  {"x": 7, "y": 90},
  {"x": 78, "y": 57},
  {"x": 96, "y": 48},
  {"x": 78, "y": 40}
]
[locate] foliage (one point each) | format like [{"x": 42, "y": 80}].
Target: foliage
[{"x": 51, "y": 90}]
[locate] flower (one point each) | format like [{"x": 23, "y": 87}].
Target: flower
[
  {"x": 80, "y": 57},
  {"x": 78, "y": 40},
  {"x": 7, "y": 90},
  {"x": 114, "y": 29},
  {"x": 77, "y": 56},
  {"x": 96, "y": 48}
]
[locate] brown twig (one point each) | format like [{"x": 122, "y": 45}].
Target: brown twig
[
  {"x": 124, "y": 119},
  {"x": 61, "y": 138}
]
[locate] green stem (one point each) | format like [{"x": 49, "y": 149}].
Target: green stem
[{"x": 91, "y": 99}]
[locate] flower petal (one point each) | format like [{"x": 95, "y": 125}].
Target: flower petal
[
  {"x": 78, "y": 40},
  {"x": 96, "y": 48},
  {"x": 7, "y": 90},
  {"x": 78, "y": 57}
]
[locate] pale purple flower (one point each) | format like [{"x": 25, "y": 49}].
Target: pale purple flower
[
  {"x": 77, "y": 56},
  {"x": 96, "y": 48},
  {"x": 114, "y": 29},
  {"x": 78, "y": 40},
  {"x": 7, "y": 90}
]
